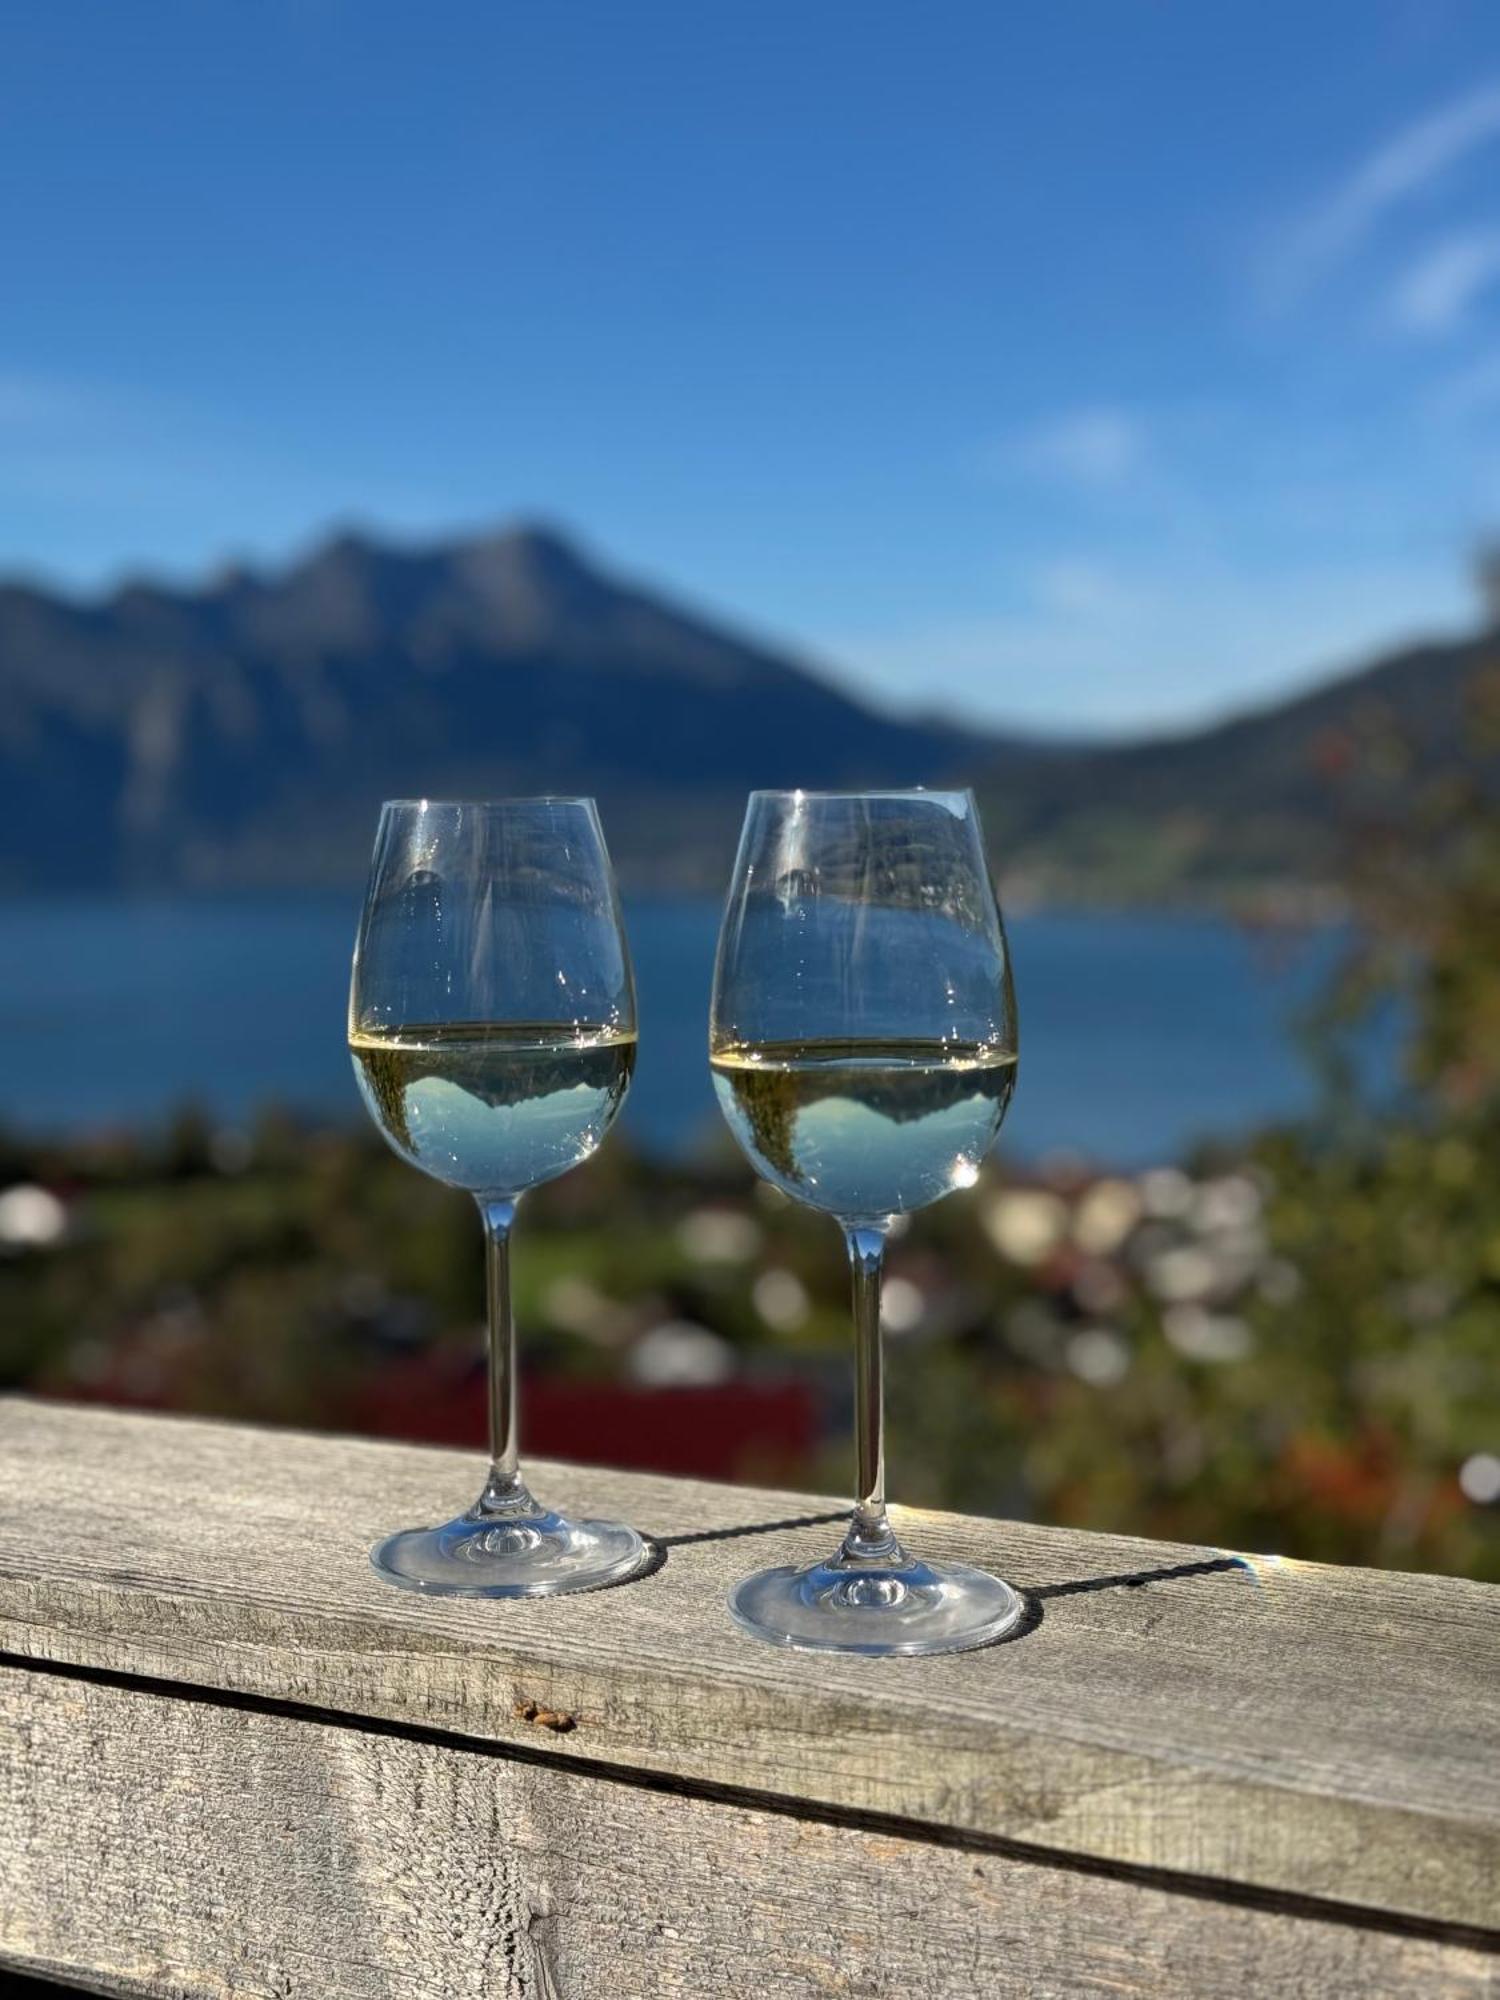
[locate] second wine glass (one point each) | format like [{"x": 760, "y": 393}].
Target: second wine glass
[
  {"x": 492, "y": 1026},
  {"x": 863, "y": 1049}
]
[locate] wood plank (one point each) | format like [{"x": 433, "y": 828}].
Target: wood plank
[
  {"x": 1327, "y": 1732},
  {"x": 178, "y": 1848}
]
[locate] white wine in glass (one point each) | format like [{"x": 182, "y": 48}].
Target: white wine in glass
[
  {"x": 863, "y": 1050},
  {"x": 492, "y": 1027}
]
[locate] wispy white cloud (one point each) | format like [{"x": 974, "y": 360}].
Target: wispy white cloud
[
  {"x": 1098, "y": 447},
  {"x": 1435, "y": 294},
  {"x": 1401, "y": 168}
]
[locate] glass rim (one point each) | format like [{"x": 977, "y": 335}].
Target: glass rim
[
  {"x": 868, "y": 792},
  {"x": 493, "y": 802}
]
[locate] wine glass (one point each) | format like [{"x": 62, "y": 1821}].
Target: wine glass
[
  {"x": 492, "y": 1029},
  {"x": 863, "y": 1049}
]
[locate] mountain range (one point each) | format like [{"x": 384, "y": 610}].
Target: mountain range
[{"x": 241, "y": 734}]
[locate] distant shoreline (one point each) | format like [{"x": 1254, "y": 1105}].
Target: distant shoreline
[{"x": 1273, "y": 906}]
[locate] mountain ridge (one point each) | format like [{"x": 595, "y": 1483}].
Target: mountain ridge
[{"x": 240, "y": 733}]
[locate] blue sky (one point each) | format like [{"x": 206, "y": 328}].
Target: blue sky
[{"x": 1089, "y": 365}]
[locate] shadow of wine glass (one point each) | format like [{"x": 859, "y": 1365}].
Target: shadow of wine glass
[
  {"x": 1034, "y": 1598},
  {"x": 661, "y": 1546},
  {"x": 1037, "y": 1597},
  {"x": 735, "y": 1533},
  {"x": 1139, "y": 1578}
]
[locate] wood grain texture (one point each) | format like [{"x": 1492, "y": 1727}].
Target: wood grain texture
[
  {"x": 1332, "y": 1733},
  {"x": 152, "y": 1845}
]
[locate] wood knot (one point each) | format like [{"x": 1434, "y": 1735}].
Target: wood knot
[{"x": 557, "y": 1720}]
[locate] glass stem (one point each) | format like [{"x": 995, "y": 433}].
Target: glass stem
[
  {"x": 504, "y": 1490},
  {"x": 871, "y": 1538}
]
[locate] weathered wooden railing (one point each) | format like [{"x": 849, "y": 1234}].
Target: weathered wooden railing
[{"x": 233, "y": 1762}]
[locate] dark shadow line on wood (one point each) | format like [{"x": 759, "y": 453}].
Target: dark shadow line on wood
[
  {"x": 1205, "y": 1888},
  {"x": 1137, "y": 1579},
  {"x": 661, "y": 1546},
  {"x": 751, "y": 1528},
  {"x": 1131, "y": 1580}
]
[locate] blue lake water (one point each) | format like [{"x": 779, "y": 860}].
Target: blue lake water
[{"x": 1139, "y": 1033}]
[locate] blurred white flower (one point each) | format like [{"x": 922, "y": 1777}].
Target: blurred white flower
[
  {"x": 1206, "y": 1336},
  {"x": 780, "y": 1297},
  {"x": 1230, "y": 1203},
  {"x": 1242, "y": 1246},
  {"x": 1105, "y": 1216},
  {"x": 1099, "y": 1356},
  {"x": 718, "y": 1236},
  {"x": 680, "y": 1353},
  {"x": 1479, "y": 1477},
  {"x": 1026, "y": 1224},
  {"x": 1185, "y": 1273},
  {"x": 31, "y": 1217},
  {"x": 1166, "y": 1191},
  {"x": 902, "y": 1305}
]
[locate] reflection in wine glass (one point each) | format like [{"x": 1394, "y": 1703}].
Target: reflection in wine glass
[
  {"x": 863, "y": 1049},
  {"x": 492, "y": 1027}
]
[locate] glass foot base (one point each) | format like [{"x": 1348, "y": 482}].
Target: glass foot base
[
  {"x": 903, "y": 1607},
  {"x": 528, "y": 1555}
]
